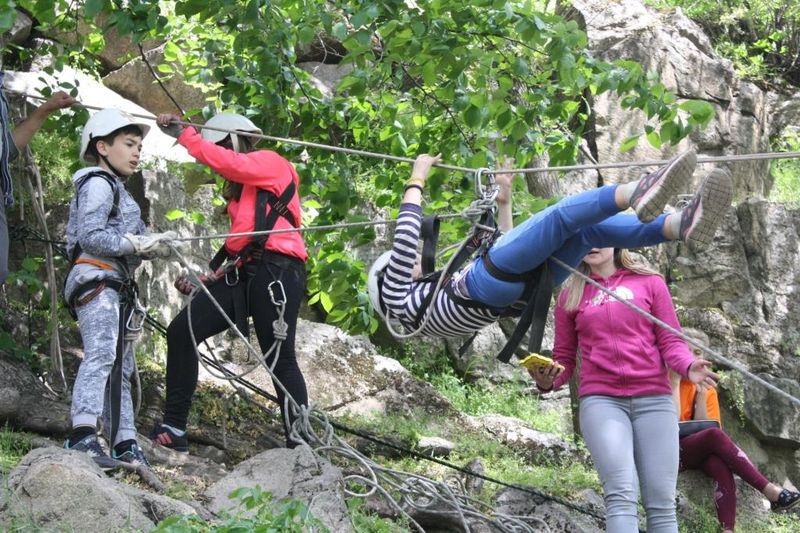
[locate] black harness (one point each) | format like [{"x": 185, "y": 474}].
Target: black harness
[
  {"x": 531, "y": 308},
  {"x": 247, "y": 260}
]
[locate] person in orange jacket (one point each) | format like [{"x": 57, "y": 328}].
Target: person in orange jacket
[{"x": 712, "y": 450}]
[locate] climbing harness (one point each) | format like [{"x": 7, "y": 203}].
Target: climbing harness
[{"x": 531, "y": 308}]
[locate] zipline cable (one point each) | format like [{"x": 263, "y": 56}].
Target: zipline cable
[{"x": 760, "y": 156}]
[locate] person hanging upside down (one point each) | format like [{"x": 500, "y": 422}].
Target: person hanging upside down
[
  {"x": 476, "y": 296},
  {"x": 712, "y": 450},
  {"x": 266, "y": 275}
]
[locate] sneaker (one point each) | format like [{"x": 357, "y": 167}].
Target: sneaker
[
  {"x": 699, "y": 219},
  {"x": 133, "y": 455},
  {"x": 91, "y": 446},
  {"x": 656, "y": 188},
  {"x": 166, "y": 437},
  {"x": 786, "y": 500}
]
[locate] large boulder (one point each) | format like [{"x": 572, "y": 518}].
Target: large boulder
[
  {"x": 296, "y": 474},
  {"x": 57, "y": 489},
  {"x": 135, "y": 82}
]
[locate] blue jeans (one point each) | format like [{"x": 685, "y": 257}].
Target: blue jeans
[
  {"x": 566, "y": 230},
  {"x": 630, "y": 435}
]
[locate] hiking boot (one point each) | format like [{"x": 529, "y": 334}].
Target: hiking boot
[
  {"x": 656, "y": 188},
  {"x": 133, "y": 455},
  {"x": 699, "y": 219},
  {"x": 91, "y": 446},
  {"x": 167, "y": 438},
  {"x": 786, "y": 500}
]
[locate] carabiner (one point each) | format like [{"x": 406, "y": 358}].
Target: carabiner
[
  {"x": 272, "y": 293},
  {"x": 231, "y": 266},
  {"x": 480, "y": 190}
]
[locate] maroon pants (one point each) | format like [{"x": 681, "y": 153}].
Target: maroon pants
[{"x": 713, "y": 452}]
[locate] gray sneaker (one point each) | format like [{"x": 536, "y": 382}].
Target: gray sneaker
[
  {"x": 655, "y": 189},
  {"x": 91, "y": 446},
  {"x": 700, "y": 219}
]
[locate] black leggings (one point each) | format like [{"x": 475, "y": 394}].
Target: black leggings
[{"x": 182, "y": 363}]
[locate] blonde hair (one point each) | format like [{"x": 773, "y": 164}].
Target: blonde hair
[{"x": 573, "y": 289}]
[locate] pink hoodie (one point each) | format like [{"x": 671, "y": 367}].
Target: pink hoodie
[{"x": 622, "y": 353}]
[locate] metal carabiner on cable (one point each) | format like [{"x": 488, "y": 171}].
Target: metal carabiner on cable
[{"x": 481, "y": 191}]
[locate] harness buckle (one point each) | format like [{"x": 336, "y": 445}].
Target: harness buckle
[{"x": 273, "y": 293}]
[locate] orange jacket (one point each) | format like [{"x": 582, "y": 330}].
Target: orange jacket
[
  {"x": 688, "y": 391},
  {"x": 262, "y": 169}
]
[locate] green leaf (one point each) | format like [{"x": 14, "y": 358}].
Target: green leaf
[
  {"x": 629, "y": 143},
  {"x": 92, "y": 8},
  {"x": 174, "y": 214},
  {"x": 654, "y": 139},
  {"x": 701, "y": 111},
  {"x": 472, "y": 116}
]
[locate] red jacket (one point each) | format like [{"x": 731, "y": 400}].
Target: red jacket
[
  {"x": 262, "y": 169},
  {"x": 622, "y": 353}
]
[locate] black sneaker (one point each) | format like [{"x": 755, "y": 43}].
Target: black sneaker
[
  {"x": 133, "y": 455},
  {"x": 91, "y": 446},
  {"x": 656, "y": 188},
  {"x": 786, "y": 500},
  {"x": 166, "y": 437}
]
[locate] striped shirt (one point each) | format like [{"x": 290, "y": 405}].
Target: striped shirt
[{"x": 403, "y": 296}]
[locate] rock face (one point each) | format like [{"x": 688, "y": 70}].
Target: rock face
[
  {"x": 678, "y": 50},
  {"x": 56, "y": 489}
]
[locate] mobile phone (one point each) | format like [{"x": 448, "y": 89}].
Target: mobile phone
[{"x": 535, "y": 360}]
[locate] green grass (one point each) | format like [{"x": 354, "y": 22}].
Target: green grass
[{"x": 13, "y": 446}]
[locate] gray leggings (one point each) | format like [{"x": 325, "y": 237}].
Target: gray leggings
[
  {"x": 99, "y": 323},
  {"x": 630, "y": 435}
]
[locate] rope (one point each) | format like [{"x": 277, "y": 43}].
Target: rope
[
  {"x": 377, "y": 440},
  {"x": 417, "y": 492},
  {"x": 759, "y": 156},
  {"x": 713, "y": 354}
]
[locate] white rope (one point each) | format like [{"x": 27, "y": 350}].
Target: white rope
[{"x": 713, "y": 354}]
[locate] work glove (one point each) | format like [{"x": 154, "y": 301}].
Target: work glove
[{"x": 152, "y": 244}]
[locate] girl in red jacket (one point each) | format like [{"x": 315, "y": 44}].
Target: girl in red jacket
[
  {"x": 712, "y": 450},
  {"x": 265, "y": 278},
  {"x": 627, "y": 416}
]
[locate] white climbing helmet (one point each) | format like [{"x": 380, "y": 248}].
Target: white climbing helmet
[
  {"x": 374, "y": 283},
  {"x": 105, "y": 122},
  {"x": 231, "y": 122}
]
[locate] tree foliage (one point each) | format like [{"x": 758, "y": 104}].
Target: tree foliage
[{"x": 471, "y": 80}]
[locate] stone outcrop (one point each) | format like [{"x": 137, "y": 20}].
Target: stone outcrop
[
  {"x": 57, "y": 489},
  {"x": 670, "y": 44},
  {"x": 296, "y": 474}
]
